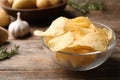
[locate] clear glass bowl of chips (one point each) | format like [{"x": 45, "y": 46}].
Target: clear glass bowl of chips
[{"x": 82, "y": 61}]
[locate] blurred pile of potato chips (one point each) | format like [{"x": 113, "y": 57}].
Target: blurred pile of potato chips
[
  {"x": 78, "y": 35},
  {"x": 65, "y": 33}
]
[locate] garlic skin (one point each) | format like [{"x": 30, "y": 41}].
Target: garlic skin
[{"x": 19, "y": 28}]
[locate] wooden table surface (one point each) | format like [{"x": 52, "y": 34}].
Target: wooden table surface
[{"x": 32, "y": 63}]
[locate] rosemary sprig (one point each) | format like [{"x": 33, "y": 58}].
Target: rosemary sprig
[
  {"x": 5, "y": 53},
  {"x": 85, "y": 7}
]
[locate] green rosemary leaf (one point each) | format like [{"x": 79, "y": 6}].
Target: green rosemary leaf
[
  {"x": 84, "y": 7},
  {"x": 5, "y": 53}
]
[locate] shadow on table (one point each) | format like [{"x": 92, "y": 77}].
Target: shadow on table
[
  {"x": 110, "y": 70},
  {"x": 47, "y": 22}
]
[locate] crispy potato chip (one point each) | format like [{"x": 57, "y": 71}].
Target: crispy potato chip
[
  {"x": 82, "y": 61},
  {"x": 82, "y": 21},
  {"x": 47, "y": 38},
  {"x": 92, "y": 27},
  {"x": 55, "y": 29},
  {"x": 38, "y": 33},
  {"x": 77, "y": 49},
  {"x": 60, "y": 42},
  {"x": 86, "y": 31},
  {"x": 77, "y": 34},
  {"x": 76, "y": 61},
  {"x": 77, "y": 31},
  {"x": 97, "y": 40},
  {"x": 108, "y": 32},
  {"x": 74, "y": 29},
  {"x": 62, "y": 57}
]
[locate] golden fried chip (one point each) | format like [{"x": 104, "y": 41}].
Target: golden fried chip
[
  {"x": 77, "y": 31},
  {"x": 47, "y": 38},
  {"x": 62, "y": 57},
  {"x": 77, "y": 49},
  {"x": 82, "y": 61},
  {"x": 97, "y": 40},
  {"x": 60, "y": 42},
  {"x": 82, "y": 21},
  {"x": 92, "y": 27},
  {"x": 76, "y": 61},
  {"x": 108, "y": 32},
  {"x": 55, "y": 29}
]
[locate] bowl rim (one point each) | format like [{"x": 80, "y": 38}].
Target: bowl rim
[
  {"x": 110, "y": 46},
  {"x": 33, "y": 9}
]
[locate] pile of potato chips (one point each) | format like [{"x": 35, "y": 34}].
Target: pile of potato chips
[
  {"x": 80, "y": 32},
  {"x": 77, "y": 36}
]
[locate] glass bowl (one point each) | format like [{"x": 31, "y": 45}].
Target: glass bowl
[{"x": 85, "y": 61}]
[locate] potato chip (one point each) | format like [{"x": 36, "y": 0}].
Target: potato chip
[
  {"x": 76, "y": 61},
  {"x": 108, "y": 33},
  {"x": 92, "y": 26},
  {"x": 77, "y": 49},
  {"x": 81, "y": 61},
  {"x": 86, "y": 31},
  {"x": 74, "y": 29},
  {"x": 76, "y": 23},
  {"x": 82, "y": 21},
  {"x": 62, "y": 57},
  {"x": 60, "y": 42},
  {"x": 77, "y": 31},
  {"x": 46, "y": 39},
  {"x": 97, "y": 40},
  {"x": 38, "y": 33},
  {"x": 55, "y": 29}
]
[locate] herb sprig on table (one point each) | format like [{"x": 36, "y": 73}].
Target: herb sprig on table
[
  {"x": 5, "y": 53},
  {"x": 85, "y": 7}
]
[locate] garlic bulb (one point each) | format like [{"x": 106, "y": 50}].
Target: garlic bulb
[{"x": 19, "y": 28}]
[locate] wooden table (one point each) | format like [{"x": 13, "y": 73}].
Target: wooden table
[{"x": 32, "y": 63}]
